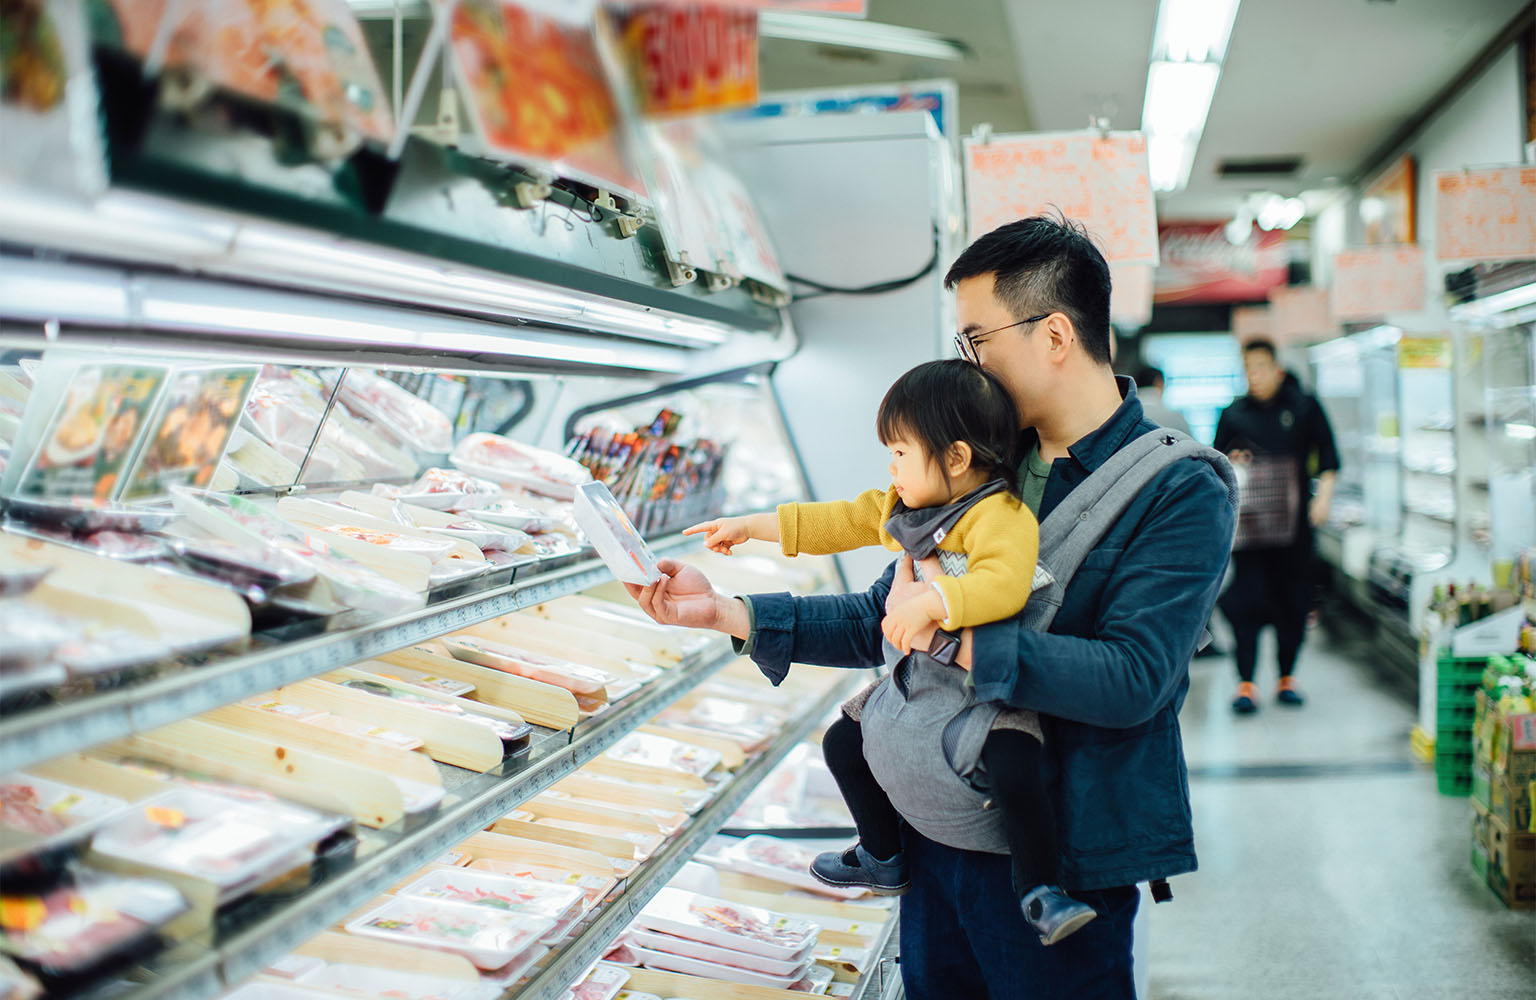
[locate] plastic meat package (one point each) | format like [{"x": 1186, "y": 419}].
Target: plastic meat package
[
  {"x": 816, "y": 981},
  {"x": 353, "y": 583},
  {"x": 594, "y": 888},
  {"x": 574, "y": 677},
  {"x": 81, "y": 515},
  {"x": 233, "y": 843},
  {"x": 750, "y": 725},
  {"x": 729, "y": 925},
  {"x": 393, "y": 984},
  {"x": 91, "y": 919},
  {"x": 602, "y": 983},
  {"x": 335, "y": 723},
  {"x": 506, "y": 461},
  {"x": 404, "y": 414},
  {"x": 443, "y": 489},
  {"x": 659, "y": 751},
  {"x": 561, "y": 904},
  {"x": 781, "y": 861},
  {"x": 489, "y": 939},
  {"x": 686, "y": 948},
  {"x": 669, "y": 962},
  {"x": 507, "y": 731},
  {"x": 36, "y": 813}
]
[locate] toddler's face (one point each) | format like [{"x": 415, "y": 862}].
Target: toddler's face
[{"x": 917, "y": 477}]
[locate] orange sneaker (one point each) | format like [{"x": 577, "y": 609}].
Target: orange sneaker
[
  {"x": 1289, "y": 694},
  {"x": 1247, "y": 700}
]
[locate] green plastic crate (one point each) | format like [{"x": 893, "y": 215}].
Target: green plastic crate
[
  {"x": 1460, "y": 669},
  {"x": 1455, "y": 716},
  {"x": 1454, "y": 784}
]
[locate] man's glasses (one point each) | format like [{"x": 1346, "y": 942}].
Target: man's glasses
[{"x": 965, "y": 343}]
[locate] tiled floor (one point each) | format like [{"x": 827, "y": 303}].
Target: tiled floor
[{"x": 1343, "y": 876}]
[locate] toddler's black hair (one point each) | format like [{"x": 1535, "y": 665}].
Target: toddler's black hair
[{"x": 941, "y": 402}]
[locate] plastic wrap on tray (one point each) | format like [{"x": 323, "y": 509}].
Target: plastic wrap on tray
[
  {"x": 603, "y": 983},
  {"x": 729, "y": 925},
  {"x": 256, "y": 526},
  {"x": 126, "y": 546},
  {"x": 393, "y": 984},
  {"x": 594, "y": 888},
  {"x": 230, "y": 842},
  {"x": 335, "y": 723},
  {"x": 517, "y": 516},
  {"x": 503, "y": 460},
  {"x": 670, "y": 962},
  {"x": 29, "y": 635},
  {"x": 781, "y": 861},
  {"x": 36, "y": 813},
  {"x": 659, "y": 751},
  {"x": 443, "y": 489},
  {"x": 816, "y": 981},
  {"x": 488, "y": 938},
  {"x": 243, "y": 565},
  {"x": 486, "y": 537},
  {"x": 574, "y": 677},
  {"x": 687, "y": 948},
  {"x": 88, "y": 920},
  {"x": 407, "y": 416},
  {"x": 750, "y": 725},
  {"x": 284, "y": 409},
  {"x": 81, "y": 515},
  {"x": 417, "y": 678},
  {"x": 561, "y": 904},
  {"x": 507, "y": 731},
  {"x": 98, "y": 651}
]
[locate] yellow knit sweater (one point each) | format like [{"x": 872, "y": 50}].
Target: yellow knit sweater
[{"x": 999, "y": 537}]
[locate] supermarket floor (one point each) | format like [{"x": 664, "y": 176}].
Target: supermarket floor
[{"x": 1329, "y": 866}]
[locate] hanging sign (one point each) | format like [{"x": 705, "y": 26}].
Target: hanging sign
[
  {"x": 1423, "y": 352},
  {"x": 1370, "y": 283},
  {"x": 1300, "y": 312},
  {"x": 1251, "y": 323},
  {"x": 1485, "y": 214},
  {"x": 1200, "y": 265},
  {"x": 691, "y": 58},
  {"x": 1099, "y": 180}
]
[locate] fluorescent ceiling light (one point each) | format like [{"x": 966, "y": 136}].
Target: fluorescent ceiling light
[
  {"x": 1193, "y": 30},
  {"x": 859, "y": 35},
  {"x": 1499, "y": 302},
  {"x": 1178, "y": 98},
  {"x": 1169, "y": 159}
]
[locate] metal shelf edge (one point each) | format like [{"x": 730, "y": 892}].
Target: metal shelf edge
[
  {"x": 28, "y": 737},
  {"x": 589, "y": 945}
]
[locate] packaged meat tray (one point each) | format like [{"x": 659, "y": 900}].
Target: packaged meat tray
[
  {"x": 393, "y": 984},
  {"x": 668, "y": 962},
  {"x": 18, "y": 581},
  {"x": 561, "y": 904},
  {"x": 29, "y": 635},
  {"x": 594, "y": 888},
  {"x": 126, "y": 546},
  {"x": 38, "y": 814},
  {"x": 486, "y": 537},
  {"x": 92, "y": 919},
  {"x": 273, "y": 991},
  {"x": 574, "y": 677},
  {"x": 508, "y": 732},
  {"x": 407, "y": 416},
  {"x": 750, "y": 725},
  {"x": 815, "y": 982},
  {"x": 418, "y": 678},
  {"x": 235, "y": 844},
  {"x": 659, "y": 751},
  {"x": 502, "y": 460},
  {"x": 335, "y": 723},
  {"x": 728, "y": 925},
  {"x": 489, "y": 939},
  {"x": 243, "y": 566},
  {"x": 429, "y": 549},
  {"x": 781, "y": 861},
  {"x": 674, "y": 945},
  {"x": 443, "y": 489},
  {"x": 603, "y": 983},
  {"x": 82, "y": 516},
  {"x": 99, "y": 652},
  {"x": 519, "y": 517},
  {"x": 614, "y": 536}
]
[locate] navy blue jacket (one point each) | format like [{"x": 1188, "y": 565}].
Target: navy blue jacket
[{"x": 1109, "y": 677}]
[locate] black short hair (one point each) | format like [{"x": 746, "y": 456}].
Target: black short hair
[
  {"x": 1261, "y": 344},
  {"x": 1043, "y": 264},
  {"x": 941, "y": 402},
  {"x": 1147, "y": 376}
]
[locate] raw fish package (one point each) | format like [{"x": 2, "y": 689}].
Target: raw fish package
[{"x": 560, "y": 904}]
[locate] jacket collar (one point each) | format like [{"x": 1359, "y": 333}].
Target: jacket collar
[{"x": 1094, "y": 448}]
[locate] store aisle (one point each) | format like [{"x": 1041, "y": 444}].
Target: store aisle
[{"x": 1329, "y": 866}]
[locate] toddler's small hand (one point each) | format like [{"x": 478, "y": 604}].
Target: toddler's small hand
[{"x": 723, "y": 533}]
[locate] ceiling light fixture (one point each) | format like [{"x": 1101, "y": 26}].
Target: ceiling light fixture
[
  {"x": 1188, "y": 47},
  {"x": 854, "y": 34}
]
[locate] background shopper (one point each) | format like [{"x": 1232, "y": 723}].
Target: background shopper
[
  {"x": 1149, "y": 389},
  {"x": 1280, "y": 423}
]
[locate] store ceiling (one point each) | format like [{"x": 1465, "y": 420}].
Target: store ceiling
[{"x": 1326, "y": 80}]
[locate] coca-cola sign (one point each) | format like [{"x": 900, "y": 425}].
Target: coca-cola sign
[{"x": 1198, "y": 264}]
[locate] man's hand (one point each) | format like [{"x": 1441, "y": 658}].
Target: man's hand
[
  {"x": 683, "y": 596},
  {"x": 909, "y": 619},
  {"x": 724, "y": 533},
  {"x": 904, "y": 588}
]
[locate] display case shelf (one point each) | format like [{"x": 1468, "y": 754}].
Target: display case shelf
[
  {"x": 265, "y": 931},
  {"x": 597, "y": 936},
  {"x": 49, "y": 731}
]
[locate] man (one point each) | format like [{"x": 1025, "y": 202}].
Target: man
[
  {"x": 1277, "y": 421},
  {"x": 1110, "y": 676},
  {"x": 1149, "y": 389}
]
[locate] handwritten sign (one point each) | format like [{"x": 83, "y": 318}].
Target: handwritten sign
[
  {"x": 1485, "y": 214},
  {"x": 1299, "y": 312},
  {"x": 1101, "y": 182},
  {"x": 1368, "y": 284}
]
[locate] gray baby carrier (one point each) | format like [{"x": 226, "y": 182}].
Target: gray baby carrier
[{"x": 923, "y": 728}]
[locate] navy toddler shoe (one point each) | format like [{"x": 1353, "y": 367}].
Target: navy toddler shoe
[
  {"x": 856, "y": 868},
  {"x": 1053, "y": 914}
]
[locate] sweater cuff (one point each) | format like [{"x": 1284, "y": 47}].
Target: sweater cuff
[
  {"x": 789, "y": 528},
  {"x": 954, "y": 602}
]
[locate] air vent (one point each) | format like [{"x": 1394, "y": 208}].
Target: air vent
[{"x": 1270, "y": 166}]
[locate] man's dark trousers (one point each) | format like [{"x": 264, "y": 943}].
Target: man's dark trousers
[{"x": 964, "y": 938}]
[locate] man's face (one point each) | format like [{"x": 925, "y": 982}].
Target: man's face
[
  {"x": 1264, "y": 375},
  {"x": 1015, "y": 354}
]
